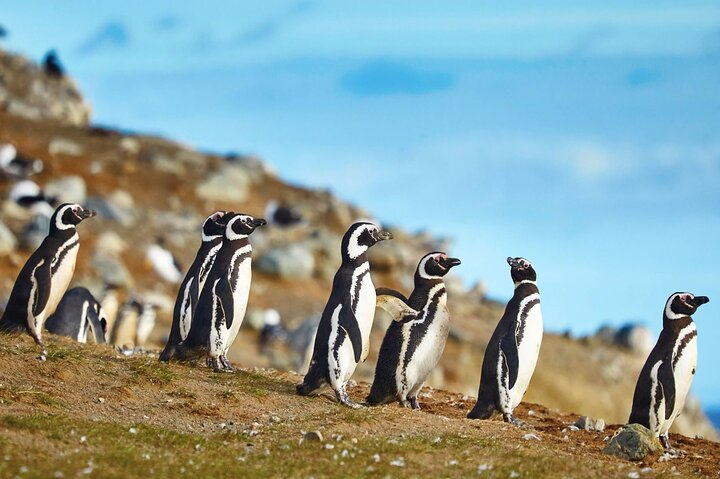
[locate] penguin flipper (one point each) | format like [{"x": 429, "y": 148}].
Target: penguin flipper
[
  {"x": 225, "y": 298},
  {"x": 391, "y": 292},
  {"x": 509, "y": 351},
  {"x": 41, "y": 287},
  {"x": 396, "y": 307},
  {"x": 349, "y": 323},
  {"x": 667, "y": 380}
]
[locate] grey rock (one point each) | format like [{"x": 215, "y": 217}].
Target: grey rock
[
  {"x": 313, "y": 436},
  {"x": 130, "y": 145},
  {"x": 64, "y": 146},
  {"x": 230, "y": 184},
  {"x": 584, "y": 423},
  {"x": 599, "y": 425},
  {"x": 633, "y": 442},
  {"x": 163, "y": 162},
  {"x": 288, "y": 262},
  {"x": 8, "y": 242},
  {"x": 67, "y": 189},
  {"x": 255, "y": 167},
  {"x": 118, "y": 206},
  {"x": 111, "y": 269}
]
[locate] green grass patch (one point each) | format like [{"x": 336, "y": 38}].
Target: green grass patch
[{"x": 152, "y": 371}]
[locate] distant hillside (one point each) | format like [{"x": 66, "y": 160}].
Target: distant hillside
[{"x": 146, "y": 188}]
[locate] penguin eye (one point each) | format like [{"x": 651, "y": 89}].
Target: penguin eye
[
  {"x": 436, "y": 259},
  {"x": 526, "y": 266}
]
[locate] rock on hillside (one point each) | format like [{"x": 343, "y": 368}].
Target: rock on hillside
[
  {"x": 26, "y": 91},
  {"x": 146, "y": 188}
]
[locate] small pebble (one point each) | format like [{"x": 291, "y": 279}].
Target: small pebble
[
  {"x": 633, "y": 475},
  {"x": 529, "y": 436},
  {"x": 484, "y": 467},
  {"x": 329, "y": 446},
  {"x": 646, "y": 470},
  {"x": 399, "y": 462},
  {"x": 514, "y": 474},
  {"x": 376, "y": 457},
  {"x": 133, "y": 430}
]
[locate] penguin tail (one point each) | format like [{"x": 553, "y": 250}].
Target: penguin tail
[
  {"x": 168, "y": 353},
  {"x": 313, "y": 380},
  {"x": 482, "y": 411}
]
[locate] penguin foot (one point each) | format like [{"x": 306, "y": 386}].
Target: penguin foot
[
  {"x": 43, "y": 355},
  {"x": 404, "y": 403},
  {"x": 514, "y": 421},
  {"x": 226, "y": 363},
  {"x": 414, "y": 403},
  {"x": 670, "y": 452},
  {"x": 217, "y": 365},
  {"x": 343, "y": 398}
]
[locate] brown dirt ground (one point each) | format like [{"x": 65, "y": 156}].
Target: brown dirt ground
[{"x": 257, "y": 410}]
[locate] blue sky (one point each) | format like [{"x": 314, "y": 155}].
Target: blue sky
[{"x": 585, "y": 137}]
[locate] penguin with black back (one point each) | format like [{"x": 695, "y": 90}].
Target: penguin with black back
[
  {"x": 223, "y": 300},
  {"x": 17, "y": 165},
  {"x": 513, "y": 350},
  {"x": 77, "y": 314},
  {"x": 43, "y": 280},
  {"x": 665, "y": 379},
  {"x": 213, "y": 230},
  {"x": 342, "y": 339},
  {"x": 416, "y": 337}
]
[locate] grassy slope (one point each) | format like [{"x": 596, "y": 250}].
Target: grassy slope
[{"x": 88, "y": 411}]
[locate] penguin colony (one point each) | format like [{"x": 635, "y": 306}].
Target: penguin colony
[{"x": 213, "y": 295}]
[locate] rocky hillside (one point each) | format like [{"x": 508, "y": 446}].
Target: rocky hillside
[{"x": 147, "y": 188}]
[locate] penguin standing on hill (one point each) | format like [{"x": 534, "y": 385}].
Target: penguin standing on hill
[
  {"x": 665, "y": 378},
  {"x": 187, "y": 299},
  {"x": 45, "y": 277},
  {"x": 416, "y": 338},
  {"x": 221, "y": 307},
  {"x": 512, "y": 352},
  {"x": 342, "y": 339},
  {"x": 77, "y": 314},
  {"x": 17, "y": 165},
  {"x": 124, "y": 332}
]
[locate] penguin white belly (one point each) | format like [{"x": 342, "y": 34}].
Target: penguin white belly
[
  {"x": 341, "y": 360},
  {"x": 241, "y": 292},
  {"x": 683, "y": 373},
  {"x": 428, "y": 352},
  {"x": 60, "y": 280},
  {"x": 365, "y": 313},
  {"x": 528, "y": 351},
  {"x": 185, "y": 312}
]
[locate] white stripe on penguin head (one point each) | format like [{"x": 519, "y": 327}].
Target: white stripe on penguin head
[
  {"x": 355, "y": 249},
  {"x": 212, "y": 217},
  {"x": 669, "y": 313},
  {"x": 423, "y": 263},
  {"x": 230, "y": 233},
  {"x": 59, "y": 217}
]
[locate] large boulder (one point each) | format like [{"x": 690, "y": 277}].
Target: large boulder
[
  {"x": 231, "y": 184},
  {"x": 288, "y": 262},
  {"x": 633, "y": 442},
  {"x": 67, "y": 189},
  {"x": 27, "y": 91}
]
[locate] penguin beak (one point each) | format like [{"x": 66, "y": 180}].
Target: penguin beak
[
  {"x": 85, "y": 214},
  {"x": 699, "y": 300},
  {"x": 259, "y": 222},
  {"x": 450, "y": 262},
  {"x": 512, "y": 262},
  {"x": 384, "y": 235}
]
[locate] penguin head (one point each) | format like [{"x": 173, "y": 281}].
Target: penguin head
[
  {"x": 361, "y": 236},
  {"x": 241, "y": 225},
  {"x": 69, "y": 215},
  {"x": 435, "y": 265},
  {"x": 214, "y": 225},
  {"x": 521, "y": 270},
  {"x": 680, "y": 305}
]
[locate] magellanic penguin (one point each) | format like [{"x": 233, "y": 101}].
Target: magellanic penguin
[
  {"x": 43, "y": 280},
  {"x": 512, "y": 352},
  {"x": 665, "y": 378},
  {"x": 77, "y": 314},
  {"x": 163, "y": 262},
  {"x": 124, "y": 332},
  {"x": 213, "y": 230},
  {"x": 223, "y": 299},
  {"x": 342, "y": 339},
  {"x": 416, "y": 338}
]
